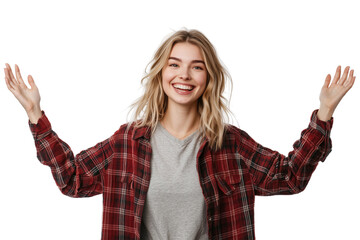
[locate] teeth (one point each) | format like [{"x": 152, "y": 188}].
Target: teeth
[{"x": 184, "y": 87}]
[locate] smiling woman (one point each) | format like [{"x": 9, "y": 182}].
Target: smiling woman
[
  {"x": 187, "y": 59},
  {"x": 178, "y": 170}
]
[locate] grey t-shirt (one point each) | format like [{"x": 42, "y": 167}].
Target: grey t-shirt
[{"x": 175, "y": 206}]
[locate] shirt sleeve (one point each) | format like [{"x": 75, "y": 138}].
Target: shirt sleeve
[
  {"x": 79, "y": 176},
  {"x": 274, "y": 173}
]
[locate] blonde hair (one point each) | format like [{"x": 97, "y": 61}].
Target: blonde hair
[{"x": 212, "y": 105}]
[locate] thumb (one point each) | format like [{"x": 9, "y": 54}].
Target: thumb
[
  {"x": 31, "y": 82},
  {"x": 327, "y": 81}
]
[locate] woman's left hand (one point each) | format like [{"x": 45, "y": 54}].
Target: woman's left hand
[{"x": 330, "y": 96}]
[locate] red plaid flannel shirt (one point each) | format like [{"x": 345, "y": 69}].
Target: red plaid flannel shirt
[{"x": 119, "y": 168}]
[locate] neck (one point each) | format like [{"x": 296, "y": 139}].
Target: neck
[{"x": 181, "y": 121}]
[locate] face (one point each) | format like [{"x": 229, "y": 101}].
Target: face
[{"x": 184, "y": 75}]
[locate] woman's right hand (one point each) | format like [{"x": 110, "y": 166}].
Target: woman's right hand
[{"x": 28, "y": 97}]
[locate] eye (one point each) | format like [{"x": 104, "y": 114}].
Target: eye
[
  {"x": 198, "y": 68},
  {"x": 173, "y": 65}
]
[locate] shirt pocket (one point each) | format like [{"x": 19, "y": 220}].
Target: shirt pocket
[{"x": 228, "y": 182}]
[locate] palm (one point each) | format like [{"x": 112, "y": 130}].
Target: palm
[{"x": 29, "y": 98}]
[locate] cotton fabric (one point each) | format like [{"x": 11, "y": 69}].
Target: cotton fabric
[
  {"x": 175, "y": 206},
  {"x": 119, "y": 168}
]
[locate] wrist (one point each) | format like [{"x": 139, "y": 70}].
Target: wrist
[
  {"x": 34, "y": 115},
  {"x": 325, "y": 113}
]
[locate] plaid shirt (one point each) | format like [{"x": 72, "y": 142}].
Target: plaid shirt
[{"x": 119, "y": 168}]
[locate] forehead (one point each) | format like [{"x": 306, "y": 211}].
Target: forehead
[{"x": 186, "y": 52}]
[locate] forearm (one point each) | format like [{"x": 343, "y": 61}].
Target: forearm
[
  {"x": 74, "y": 175},
  {"x": 71, "y": 178},
  {"x": 275, "y": 173}
]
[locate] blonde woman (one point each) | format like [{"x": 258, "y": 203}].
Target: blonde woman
[{"x": 179, "y": 170}]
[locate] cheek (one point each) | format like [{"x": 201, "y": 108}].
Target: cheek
[
  {"x": 203, "y": 80},
  {"x": 166, "y": 76}
]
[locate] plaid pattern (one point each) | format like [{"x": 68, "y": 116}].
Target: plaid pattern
[{"x": 119, "y": 168}]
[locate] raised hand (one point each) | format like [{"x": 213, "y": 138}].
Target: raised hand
[
  {"x": 29, "y": 98},
  {"x": 330, "y": 96}
]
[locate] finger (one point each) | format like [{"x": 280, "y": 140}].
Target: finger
[
  {"x": 9, "y": 79},
  {"x": 18, "y": 75},
  {"x": 9, "y": 85},
  {"x": 346, "y": 82},
  {"x": 327, "y": 81},
  {"x": 344, "y": 76},
  {"x": 11, "y": 75},
  {"x": 351, "y": 83},
  {"x": 7, "y": 73},
  {"x": 31, "y": 82},
  {"x": 337, "y": 75}
]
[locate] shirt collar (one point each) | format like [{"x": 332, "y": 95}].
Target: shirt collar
[
  {"x": 145, "y": 132},
  {"x": 142, "y": 132}
]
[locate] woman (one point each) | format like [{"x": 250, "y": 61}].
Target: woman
[{"x": 178, "y": 170}]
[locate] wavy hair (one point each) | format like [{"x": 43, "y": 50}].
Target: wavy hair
[{"x": 213, "y": 108}]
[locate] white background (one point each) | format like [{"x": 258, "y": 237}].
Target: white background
[{"x": 87, "y": 58}]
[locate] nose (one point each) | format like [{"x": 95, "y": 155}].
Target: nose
[{"x": 184, "y": 74}]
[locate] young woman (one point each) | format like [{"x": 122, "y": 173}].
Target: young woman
[{"x": 178, "y": 170}]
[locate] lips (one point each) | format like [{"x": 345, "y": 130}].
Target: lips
[{"x": 183, "y": 87}]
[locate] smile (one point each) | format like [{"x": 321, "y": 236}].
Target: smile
[{"x": 183, "y": 87}]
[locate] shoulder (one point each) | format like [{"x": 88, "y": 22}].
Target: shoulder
[
  {"x": 233, "y": 131},
  {"x": 237, "y": 136},
  {"x": 126, "y": 129},
  {"x": 130, "y": 131}
]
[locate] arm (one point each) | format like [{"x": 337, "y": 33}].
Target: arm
[
  {"x": 272, "y": 172},
  {"x": 79, "y": 176}
]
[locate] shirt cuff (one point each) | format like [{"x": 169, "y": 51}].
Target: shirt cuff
[
  {"x": 42, "y": 127},
  {"x": 323, "y": 126}
]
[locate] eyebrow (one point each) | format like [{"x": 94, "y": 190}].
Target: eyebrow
[{"x": 193, "y": 61}]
